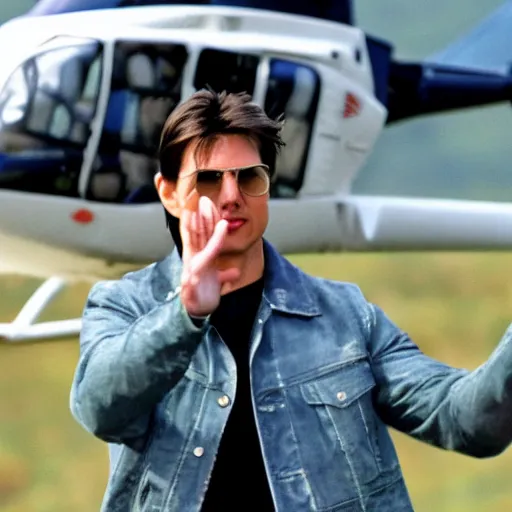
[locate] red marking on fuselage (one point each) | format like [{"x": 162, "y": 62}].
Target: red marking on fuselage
[
  {"x": 83, "y": 216},
  {"x": 352, "y": 106}
]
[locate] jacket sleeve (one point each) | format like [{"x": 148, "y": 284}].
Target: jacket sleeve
[
  {"x": 128, "y": 361},
  {"x": 455, "y": 409}
]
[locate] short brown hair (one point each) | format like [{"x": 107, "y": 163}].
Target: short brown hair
[{"x": 208, "y": 114}]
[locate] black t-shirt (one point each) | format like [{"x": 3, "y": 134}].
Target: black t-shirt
[{"x": 239, "y": 472}]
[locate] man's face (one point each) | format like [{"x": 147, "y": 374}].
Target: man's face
[{"x": 247, "y": 215}]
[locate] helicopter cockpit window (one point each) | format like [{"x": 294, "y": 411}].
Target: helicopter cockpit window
[
  {"x": 46, "y": 108},
  {"x": 226, "y": 71},
  {"x": 293, "y": 91},
  {"x": 145, "y": 88}
]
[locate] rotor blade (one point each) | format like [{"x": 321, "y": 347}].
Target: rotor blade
[{"x": 487, "y": 46}]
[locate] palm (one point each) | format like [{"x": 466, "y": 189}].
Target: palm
[{"x": 204, "y": 297}]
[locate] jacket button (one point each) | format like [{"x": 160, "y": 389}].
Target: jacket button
[
  {"x": 223, "y": 401},
  {"x": 198, "y": 451},
  {"x": 341, "y": 395}
]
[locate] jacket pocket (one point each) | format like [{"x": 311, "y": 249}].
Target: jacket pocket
[
  {"x": 347, "y": 423},
  {"x": 149, "y": 493}
]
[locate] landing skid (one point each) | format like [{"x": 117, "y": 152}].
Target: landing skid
[{"x": 25, "y": 326}]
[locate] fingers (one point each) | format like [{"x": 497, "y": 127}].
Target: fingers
[
  {"x": 188, "y": 221},
  {"x": 206, "y": 257},
  {"x": 197, "y": 224},
  {"x": 195, "y": 235},
  {"x": 185, "y": 229},
  {"x": 188, "y": 207},
  {"x": 203, "y": 233},
  {"x": 207, "y": 212}
]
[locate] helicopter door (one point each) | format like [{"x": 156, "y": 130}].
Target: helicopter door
[
  {"x": 46, "y": 108},
  {"x": 293, "y": 91},
  {"x": 145, "y": 88}
]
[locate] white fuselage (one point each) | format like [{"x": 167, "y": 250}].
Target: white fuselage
[{"x": 38, "y": 235}]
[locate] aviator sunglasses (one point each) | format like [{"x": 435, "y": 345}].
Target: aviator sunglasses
[{"x": 252, "y": 180}]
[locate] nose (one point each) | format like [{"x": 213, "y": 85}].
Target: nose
[{"x": 229, "y": 192}]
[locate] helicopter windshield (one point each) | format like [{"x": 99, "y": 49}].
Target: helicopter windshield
[{"x": 46, "y": 108}]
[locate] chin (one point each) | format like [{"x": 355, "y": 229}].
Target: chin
[{"x": 236, "y": 246}]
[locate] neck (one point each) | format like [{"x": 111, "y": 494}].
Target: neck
[{"x": 250, "y": 265}]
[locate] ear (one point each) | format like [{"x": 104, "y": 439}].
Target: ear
[{"x": 167, "y": 192}]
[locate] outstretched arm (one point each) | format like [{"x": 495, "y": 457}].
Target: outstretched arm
[{"x": 469, "y": 412}]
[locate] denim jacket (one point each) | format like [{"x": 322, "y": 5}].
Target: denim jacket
[{"x": 330, "y": 372}]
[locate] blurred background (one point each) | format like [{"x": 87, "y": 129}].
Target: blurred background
[{"x": 456, "y": 306}]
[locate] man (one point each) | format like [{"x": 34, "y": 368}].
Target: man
[{"x": 224, "y": 378}]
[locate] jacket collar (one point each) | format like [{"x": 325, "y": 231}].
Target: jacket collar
[{"x": 286, "y": 289}]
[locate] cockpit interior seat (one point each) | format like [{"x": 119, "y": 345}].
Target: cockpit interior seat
[{"x": 297, "y": 127}]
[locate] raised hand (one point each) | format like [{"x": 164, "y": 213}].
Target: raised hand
[{"x": 203, "y": 233}]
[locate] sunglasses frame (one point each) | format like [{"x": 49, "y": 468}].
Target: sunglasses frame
[{"x": 236, "y": 171}]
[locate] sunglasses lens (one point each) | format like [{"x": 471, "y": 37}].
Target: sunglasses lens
[
  {"x": 208, "y": 183},
  {"x": 253, "y": 181}
]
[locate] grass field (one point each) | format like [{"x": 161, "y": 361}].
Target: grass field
[{"x": 455, "y": 306}]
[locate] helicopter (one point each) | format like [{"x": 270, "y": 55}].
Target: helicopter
[{"x": 85, "y": 93}]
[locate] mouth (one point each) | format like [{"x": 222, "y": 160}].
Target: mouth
[{"x": 235, "y": 224}]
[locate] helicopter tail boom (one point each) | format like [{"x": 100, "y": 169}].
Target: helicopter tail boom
[{"x": 418, "y": 89}]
